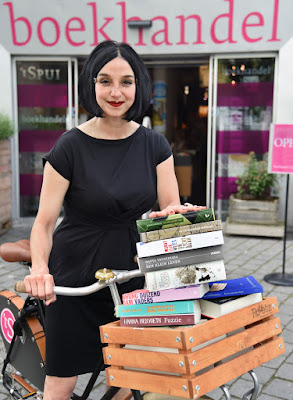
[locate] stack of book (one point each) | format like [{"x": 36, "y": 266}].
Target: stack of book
[
  {"x": 179, "y": 255},
  {"x": 180, "y": 250}
]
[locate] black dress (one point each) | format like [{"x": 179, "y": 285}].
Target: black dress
[{"x": 112, "y": 183}]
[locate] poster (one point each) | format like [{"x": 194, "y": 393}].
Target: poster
[{"x": 281, "y": 149}]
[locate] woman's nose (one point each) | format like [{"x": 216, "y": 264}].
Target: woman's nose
[{"x": 115, "y": 91}]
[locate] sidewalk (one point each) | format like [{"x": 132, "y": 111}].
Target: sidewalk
[{"x": 243, "y": 256}]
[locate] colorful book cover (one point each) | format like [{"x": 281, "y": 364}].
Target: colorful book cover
[
  {"x": 169, "y": 221},
  {"x": 182, "y": 243},
  {"x": 177, "y": 231},
  {"x": 161, "y": 320},
  {"x": 164, "y": 308},
  {"x": 185, "y": 293},
  {"x": 181, "y": 259},
  {"x": 190, "y": 275},
  {"x": 233, "y": 287},
  {"x": 213, "y": 308}
]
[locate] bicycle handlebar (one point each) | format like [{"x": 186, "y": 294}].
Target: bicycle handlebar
[{"x": 86, "y": 290}]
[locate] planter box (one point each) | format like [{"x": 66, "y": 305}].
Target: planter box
[
  {"x": 5, "y": 185},
  {"x": 264, "y": 212}
]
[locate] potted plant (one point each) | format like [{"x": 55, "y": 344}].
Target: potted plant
[
  {"x": 255, "y": 201},
  {"x": 6, "y": 131}
]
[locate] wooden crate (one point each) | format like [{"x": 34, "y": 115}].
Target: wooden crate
[{"x": 191, "y": 361}]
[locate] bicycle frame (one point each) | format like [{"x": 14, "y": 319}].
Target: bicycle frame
[{"x": 35, "y": 308}]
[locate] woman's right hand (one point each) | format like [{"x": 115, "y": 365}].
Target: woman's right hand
[{"x": 40, "y": 285}]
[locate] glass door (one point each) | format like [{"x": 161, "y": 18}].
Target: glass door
[
  {"x": 45, "y": 93},
  {"x": 243, "y": 111}
]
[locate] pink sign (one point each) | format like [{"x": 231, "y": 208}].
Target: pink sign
[
  {"x": 7, "y": 320},
  {"x": 281, "y": 149}
]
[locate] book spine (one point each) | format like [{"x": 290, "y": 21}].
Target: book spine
[
  {"x": 183, "y": 276},
  {"x": 185, "y": 293},
  {"x": 167, "y": 233},
  {"x": 174, "y": 245},
  {"x": 194, "y": 217},
  {"x": 164, "y": 308},
  {"x": 181, "y": 259},
  {"x": 161, "y": 320}
]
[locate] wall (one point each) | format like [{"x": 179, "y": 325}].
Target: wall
[{"x": 5, "y": 82}]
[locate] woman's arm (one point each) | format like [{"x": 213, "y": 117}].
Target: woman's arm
[
  {"x": 40, "y": 283},
  {"x": 168, "y": 192}
]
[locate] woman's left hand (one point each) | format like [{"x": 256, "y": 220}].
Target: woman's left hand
[{"x": 176, "y": 209}]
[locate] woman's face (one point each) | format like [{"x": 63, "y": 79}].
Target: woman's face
[{"x": 115, "y": 88}]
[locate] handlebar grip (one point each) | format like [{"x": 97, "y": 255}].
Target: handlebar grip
[{"x": 20, "y": 287}]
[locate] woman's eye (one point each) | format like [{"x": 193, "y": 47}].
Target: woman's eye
[
  {"x": 127, "y": 83},
  {"x": 104, "y": 81}
]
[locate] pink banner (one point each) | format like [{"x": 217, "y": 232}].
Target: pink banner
[
  {"x": 37, "y": 140},
  {"x": 245, "y": 94},
  {"x": 30, "y": 184},
  {"x": 242, "y": 142},
  {"x": 54, "y": 96},
  {"x": 281, "y": 149},
  {"x": 225, "y": 187}
]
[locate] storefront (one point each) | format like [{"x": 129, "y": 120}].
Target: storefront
[{"x": 218, "y": 71}]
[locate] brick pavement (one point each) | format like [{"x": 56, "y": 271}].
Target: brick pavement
[{"x": 243, "y": 256}]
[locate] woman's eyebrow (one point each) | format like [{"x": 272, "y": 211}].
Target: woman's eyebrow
[{"x": 124, "y": 76}]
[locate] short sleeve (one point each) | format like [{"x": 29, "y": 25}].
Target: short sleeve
[
  {"x": 60, "y": 156},
  {"x": 164, "y": 149}
]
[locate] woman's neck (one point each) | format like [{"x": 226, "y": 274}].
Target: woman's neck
[{"x": 106, "y": 128}]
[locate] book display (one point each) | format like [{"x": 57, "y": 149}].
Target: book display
[{"x": 185, "y": 276}]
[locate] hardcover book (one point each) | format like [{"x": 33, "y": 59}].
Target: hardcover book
[
  {"x": 181, "y": 259},
  {"x": 161, "y": 320},
  {"x": 177, "y": 231},
  {"x": 213, "y": 308},
  {"x": 233, "y": 287},
  {"x": 183, "y": 276},
  {"x": 173, "y": 245},
  {"x": 164, "y": 308},
  {"x": 145, "y": 296},
  {"x": 169, "y": 221}
]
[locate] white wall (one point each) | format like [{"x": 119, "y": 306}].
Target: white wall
[
  {"x": 284, "y": 115},
  {"x": 5, "y": 82}
]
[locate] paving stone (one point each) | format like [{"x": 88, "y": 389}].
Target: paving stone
[
  {"x": 280, "y": 388},
  {"x": 285, "y": 371}
]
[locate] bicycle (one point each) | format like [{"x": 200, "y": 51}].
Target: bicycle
[
  {"x": 22, "y": 330},
  {"x": 247, "y": 339}
]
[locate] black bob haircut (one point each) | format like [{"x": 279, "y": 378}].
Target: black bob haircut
[{"x": 100, "y": 56}]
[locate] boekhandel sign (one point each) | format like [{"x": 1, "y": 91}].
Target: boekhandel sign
[
  {"x": 281, "y": 149},
  {"x": 174, "y": 27}
]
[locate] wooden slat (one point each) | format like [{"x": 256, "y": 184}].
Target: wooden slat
[
  {"x": 232, "y": 369},
  {"x": 188, "y": 337},
  {"x": 142, "y": 336},
  {"x": 145, "y": 381},
  {"x": 159, "y": 361},
  {"x": 24, "y": 383},
  {"x": 202, "y": 333},
  {"x": 233, "y": 344}
]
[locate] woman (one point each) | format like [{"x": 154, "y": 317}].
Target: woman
[{"x": 106, "y": 172}]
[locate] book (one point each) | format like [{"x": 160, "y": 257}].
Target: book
[
  {"x": 184, "y": 276},
  {"x": 173, "y": 245},
  {"x": 142, "y": 296},
  {"x": 181, "y": 259},
  {"x": 161, "y": 320},
  {"x": 233, "y": 287},
  {"x": 164, "y": 308},
  {"x": 177, "y": 231},
  {"x": 213, "y": 308},
  {"x": 169, "y": 221}
]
